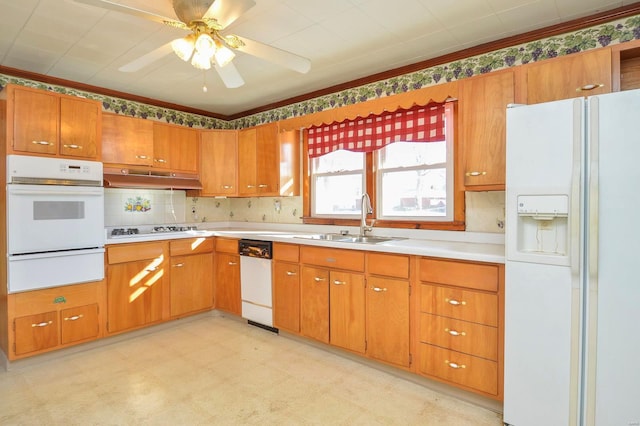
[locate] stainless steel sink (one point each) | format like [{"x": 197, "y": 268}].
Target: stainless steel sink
[
  {"x": 369, "y": 239},
  {"x": 325, "y": 237}
]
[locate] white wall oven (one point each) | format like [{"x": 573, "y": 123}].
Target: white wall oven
[{"x": 55, "y": 222}]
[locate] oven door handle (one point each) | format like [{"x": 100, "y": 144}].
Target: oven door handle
[{"x": 65, "y": 193}]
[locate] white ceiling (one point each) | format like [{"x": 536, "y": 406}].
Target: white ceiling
[{"x": 344, "y": 39}]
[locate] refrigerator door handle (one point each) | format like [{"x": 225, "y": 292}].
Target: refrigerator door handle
[{"x": 575, "y": 200}]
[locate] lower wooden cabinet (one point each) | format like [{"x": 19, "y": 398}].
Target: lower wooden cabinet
[
  {"x": 286, "y": 287},
  {"x": 227, "y": 276},
  {"x": 191, "y": 275},
  {"x": 52, "y": 318},
  {"x": 347, "y": 310},
  {"x": 460, "y": 324},
  {"x": 137, "y": 283},
  {"x": 314, "y": 303}
]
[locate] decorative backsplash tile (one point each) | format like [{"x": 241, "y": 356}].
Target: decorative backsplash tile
[{"x": 137, "y": 204}]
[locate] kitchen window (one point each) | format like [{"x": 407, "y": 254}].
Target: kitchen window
[{"x": 409, "y": 173}]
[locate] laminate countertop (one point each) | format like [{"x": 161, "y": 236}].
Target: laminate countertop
[{"x": 482, "y": 247}]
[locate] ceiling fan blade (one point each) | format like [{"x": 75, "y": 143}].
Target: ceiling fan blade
[
  {"x": 147, "y": 59},
  {"x": 227, "y": 11},
  {"x": 275, "y": 55},
  {"x": 230, "y": 76},
  {"x": 110, "y": 5}
]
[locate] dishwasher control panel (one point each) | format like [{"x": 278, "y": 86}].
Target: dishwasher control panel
[{"x": 255, "y": 248}]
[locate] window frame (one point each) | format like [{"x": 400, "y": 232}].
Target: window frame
[{"x": 456, "y": 224}]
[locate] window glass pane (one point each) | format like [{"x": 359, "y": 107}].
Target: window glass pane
[
  {"x": 417, "y": 193},
  {"x": 337, "y": 195},
  {"x": 408, "y": 154},
  {"x": 338, "y": 161}
]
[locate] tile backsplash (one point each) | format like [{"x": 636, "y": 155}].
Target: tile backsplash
[{"x": 133, "y": 207}]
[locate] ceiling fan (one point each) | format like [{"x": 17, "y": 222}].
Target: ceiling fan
[{"x": 207, "y": 44}]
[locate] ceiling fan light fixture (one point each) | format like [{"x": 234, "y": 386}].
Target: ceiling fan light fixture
[
  {"x": 200, "y": 61},
  {"x": 183, "y": 47},
  {"x": 205, "y": 45},
  {"x": 223, "y": 54}
]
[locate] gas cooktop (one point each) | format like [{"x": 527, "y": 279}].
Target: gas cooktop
[{"x": 132, "y": 232}]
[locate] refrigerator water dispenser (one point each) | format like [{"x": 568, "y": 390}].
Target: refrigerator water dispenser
[{"x": 543, "y": 225}]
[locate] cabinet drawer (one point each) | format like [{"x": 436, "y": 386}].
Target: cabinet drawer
[
  {"x": 226, "y": 245},
  {"x": 286, "y": 252},
  {"x": 462, "y": 274},
  {"x": 191, "y": 246},
  {"x": 461, "y": 304},
  {"x": 389, "y": 265},
  {"x": 134, "y": 252},
  {"x": 462, "y": 336},
  {"x": 79, "y": 323},
  {"x": 333, "y": 258},
  {"x": 36, "y": 332},
  {"x": 52, "y": 299},
  {"x": 456, "y": 367}
]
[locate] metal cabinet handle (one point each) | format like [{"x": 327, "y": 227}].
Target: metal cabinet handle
[
  {"x": 589, "y": 87},
  {"x": 227, "y": 186},
  {"x": 291, "y": 273},
  {"x": 251, "y": 186},
  {"x": 475, "y": 174},
  {"x": 336, "y": 282},
  {"x": 160, "y": 160},
  {"x": 179, "y": 265},
  {"x": 455, "y": 302},
  {"x": 41, "y": 143},
  {"x": 42, "y": 324},
  {"x": 151, "y": 269},
  {"x": 232, "y": 263},
  {"x": 142, "y": 157},
  {"x": 378, "y": 289},
  {"x": 262, "y": 185},
  {"x": 318, "y": 279},
  {"x": 72, "y": 146},
  {"x": 74, "y": 318},
  {"x": 455, "y": 332},
  {"x": 455, "y": 365}
]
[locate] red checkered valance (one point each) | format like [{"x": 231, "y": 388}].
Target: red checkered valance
[{"x": 367, "y": 134}]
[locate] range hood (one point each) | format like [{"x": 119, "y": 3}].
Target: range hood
[{"x": 149, "y": 179}]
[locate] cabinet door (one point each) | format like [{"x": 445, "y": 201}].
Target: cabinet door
[
  {"x": 80, "y": 123},
  {"x": 36, "y": 116},
  {"x": 347, "y": 310},
  {"x": 267, "y": 160},
  {"x": 175, "y": 148},
  {"x": 483, "y": 121},
  {"x": 388, "y": 320},
  {"x": 127, "y": 140},
  {"x": 134, "y": 294},
  {"x": 314, "y": 303},
  {"x": 219, "y": 162},
  {"x": 191, "y": 283},
  {"x": 571, "y": 76},
  {"x": 79, "y": 323},
  {"x": 286, "y": 296},
  {"x": 247, "y": 173},
  {"x": 36, "y": 332},
  {"x": 228, "y": 283}
]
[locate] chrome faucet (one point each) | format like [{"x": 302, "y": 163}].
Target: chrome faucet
[{"x": 366, "y": 209}]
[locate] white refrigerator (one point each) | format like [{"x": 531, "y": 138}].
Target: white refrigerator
[{"x": 572, "y": 291}]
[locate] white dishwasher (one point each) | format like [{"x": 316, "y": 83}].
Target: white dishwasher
[{"x": 255, "y": 283}]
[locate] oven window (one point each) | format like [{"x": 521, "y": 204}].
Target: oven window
[{"x": 56, "y": 210}]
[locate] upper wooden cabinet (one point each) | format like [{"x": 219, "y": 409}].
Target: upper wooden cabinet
[
  {"x": 138, "y": 142},
  {"x": 258, "y": 161},
  {"x": 218, "y": 162},
  {"x": 127, "y": 140},
  {"x": 483, "y": 116},
  {"x": 46, "y": 123},
  {"x": 175, "y": 148},
  {"x": 571, "y": 76}
]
